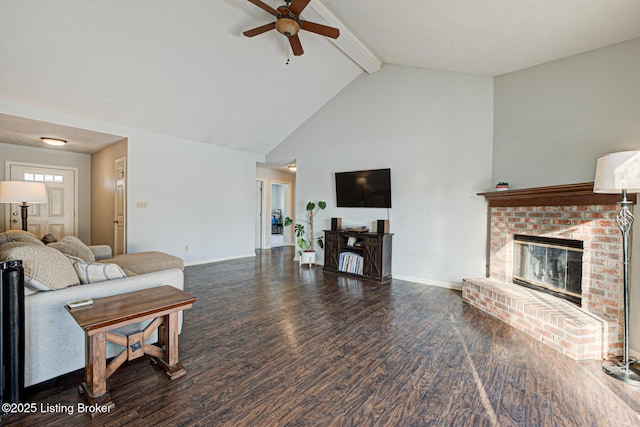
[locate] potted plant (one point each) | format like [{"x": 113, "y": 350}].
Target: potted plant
[{"x": 306, "y": 241}]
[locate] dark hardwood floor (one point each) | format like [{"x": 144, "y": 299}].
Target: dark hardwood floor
[{"x": 269, "y": 345}]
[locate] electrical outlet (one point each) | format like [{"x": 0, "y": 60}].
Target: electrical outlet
[{"x": 142, "y": 205}]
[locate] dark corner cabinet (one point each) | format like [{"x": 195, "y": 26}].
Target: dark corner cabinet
[{"x": 361, "y": 254}]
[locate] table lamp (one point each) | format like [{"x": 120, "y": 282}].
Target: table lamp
[{"x": 23, "y": 192}]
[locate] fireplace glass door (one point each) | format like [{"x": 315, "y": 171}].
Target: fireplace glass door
[{"x": 551, "y": 265}]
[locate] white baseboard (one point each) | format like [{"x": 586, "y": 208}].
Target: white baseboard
[
  {"x": 446, "y": 285},
  {"x": 207, "y": 261}
]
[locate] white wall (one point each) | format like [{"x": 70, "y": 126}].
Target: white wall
[
  {"x": 553, "y": 121},
  {"x": 44, "y": 156},
  {"x": 198, "y": 195},
  {"x": 434, "y": 130}
]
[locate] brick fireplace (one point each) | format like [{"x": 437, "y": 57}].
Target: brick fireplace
[{"x": 590, "y": 331}]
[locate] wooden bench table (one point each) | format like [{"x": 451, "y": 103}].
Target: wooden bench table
[{"x": 162, "y": 303}]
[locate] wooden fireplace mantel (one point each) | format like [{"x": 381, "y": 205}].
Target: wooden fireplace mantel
[{"x": 555, "y": 195}]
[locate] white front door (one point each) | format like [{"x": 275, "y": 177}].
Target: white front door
[{"x": 58, "y": 217}]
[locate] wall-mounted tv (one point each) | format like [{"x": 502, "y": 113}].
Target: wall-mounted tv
[{"x": 364, "y": 189}]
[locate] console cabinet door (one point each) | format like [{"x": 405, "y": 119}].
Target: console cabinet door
[
  {"x": 331, "y": 250},
  {"x": 372, "y": 257}
]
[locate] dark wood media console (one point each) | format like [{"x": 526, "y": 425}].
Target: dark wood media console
[{"x": 374, "y": 248}]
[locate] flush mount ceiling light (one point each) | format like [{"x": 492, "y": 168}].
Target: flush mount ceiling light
[
  {"x": 292, "y": 168},
  {"x": 53, "y": 141}
]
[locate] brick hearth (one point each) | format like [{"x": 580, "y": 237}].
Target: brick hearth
[{"x": 589, "y": 332}]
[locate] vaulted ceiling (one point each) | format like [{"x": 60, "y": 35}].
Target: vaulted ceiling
[{"x": 185, "y": 69}]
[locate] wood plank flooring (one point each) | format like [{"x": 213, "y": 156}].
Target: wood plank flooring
[{"x": 269, "y": 345}]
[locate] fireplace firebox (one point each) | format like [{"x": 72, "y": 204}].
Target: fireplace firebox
[{"x": 549, "y": 265}]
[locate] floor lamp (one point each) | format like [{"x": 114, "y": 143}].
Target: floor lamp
[
  {"x": 23, "y": 192},
  {"x": 620, "y": 173}
]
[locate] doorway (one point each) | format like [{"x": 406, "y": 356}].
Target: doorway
[{"x": 279, "y": 211}]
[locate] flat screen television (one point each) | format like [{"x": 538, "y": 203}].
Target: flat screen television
[{"x": 364, "y": 189}]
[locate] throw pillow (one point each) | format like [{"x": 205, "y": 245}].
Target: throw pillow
[
  {"x": 91, "y": 272},
  {"x": 73, "y": 246},
  {"x": 48, "y": 238},
  {"x": 19, "y": 236},
  {"x": 44, "y": 268}
]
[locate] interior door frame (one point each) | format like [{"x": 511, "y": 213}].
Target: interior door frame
[
  {"x": 286, "y": 232},
  {"x": 263, "y": 203},
  {"x": 116, "y": 243},
  {"x": 7, "y": 174}
]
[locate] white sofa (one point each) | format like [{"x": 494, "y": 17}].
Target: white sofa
[{"x": 54, "y": 343}]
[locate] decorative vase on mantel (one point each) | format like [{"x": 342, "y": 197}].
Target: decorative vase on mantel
[{"x": 502, "y": 186}]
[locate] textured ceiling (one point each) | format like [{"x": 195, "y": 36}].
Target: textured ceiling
[
  {"x": 184, "y": 68},
  {"x": 490, "y": 37}
]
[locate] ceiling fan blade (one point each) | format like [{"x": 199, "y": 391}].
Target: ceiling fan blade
[
  {"x": 259, "y": 30},
  {"x": 264, "y": 7},
  {"x": 296, "y": 46},
  {"x": 323, "y": 30},
  {"x": 297, "y": 6}
]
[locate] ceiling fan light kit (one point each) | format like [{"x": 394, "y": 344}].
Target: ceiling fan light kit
[
  {"x": 287, "y": 26},
  {"x": 289, "y": 23}
]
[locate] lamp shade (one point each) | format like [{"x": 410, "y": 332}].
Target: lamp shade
[
  {"x": 618, "y": 171},
  {"x": 22, "y": 191}
]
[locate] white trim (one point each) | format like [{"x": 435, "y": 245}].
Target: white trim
[
  {"x": 209, "y": 261},
  {"x": 263, "y": 202},
  {"x": 124, "y": 208},
  {"x": 446, "y": 285},
  {"x": 347, "y": 42}
]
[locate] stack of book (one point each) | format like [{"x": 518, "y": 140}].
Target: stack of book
[{"x": 350, "y": 263}]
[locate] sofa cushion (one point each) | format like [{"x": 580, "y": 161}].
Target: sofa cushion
[
  {"x": 45, "y": 268},
  {"x": 19, "y": 236},
  {"x": 73, "y": 246},
  {"x": 94, "y": 272},
  {"x": 146, "y": 262}
]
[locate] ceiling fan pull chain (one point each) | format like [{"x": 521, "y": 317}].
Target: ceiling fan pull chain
[{"x": 288, "y": 50}]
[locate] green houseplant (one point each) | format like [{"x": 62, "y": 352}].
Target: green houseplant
[{"x": 306, "y": 240}]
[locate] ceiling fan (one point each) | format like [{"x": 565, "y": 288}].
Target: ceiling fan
[{"x": 288, "y": 23}]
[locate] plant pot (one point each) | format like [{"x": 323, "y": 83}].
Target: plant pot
[
  {"x": 307, "y": 257},
  {"x": 502, "y": 187}
]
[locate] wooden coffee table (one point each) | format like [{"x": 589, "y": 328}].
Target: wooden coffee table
[{"x": 162, "y": 303}]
